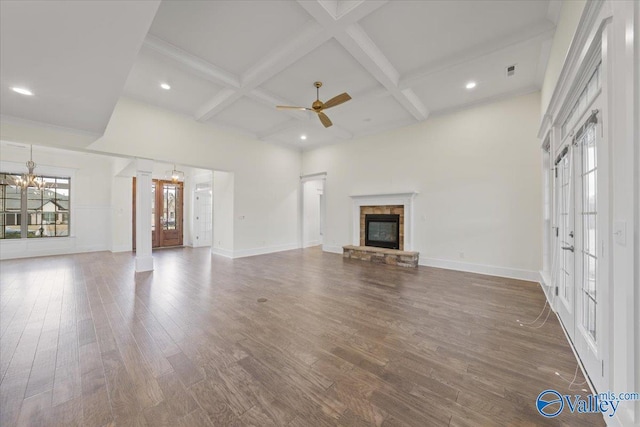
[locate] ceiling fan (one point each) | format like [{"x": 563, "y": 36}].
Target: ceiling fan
[{"x": 318, "y": 106}]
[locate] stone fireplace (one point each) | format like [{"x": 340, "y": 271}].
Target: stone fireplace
[
  {"x": 384, "y": 204},
  {"x": 382, "y": 216},
  {"x": 386, "y": 220}
]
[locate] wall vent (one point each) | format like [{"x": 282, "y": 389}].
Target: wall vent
[{"x": 511, "y": 70}]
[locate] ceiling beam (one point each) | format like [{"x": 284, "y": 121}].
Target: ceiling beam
[
  {"x": 346, "y": 30},
  {"x": 213, "y": 106},
  {"x": 271, "y": 101},
  {"x": 361, "y": 47},
  {"x": 191, "y": 62},
  {"x": 275, "y": 61},
  {"x": 271, "y": 64}
]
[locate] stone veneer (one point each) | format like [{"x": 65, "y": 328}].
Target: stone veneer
[
  {"x": 381, "y": 255},
  {"x": 386, "y": 210}
]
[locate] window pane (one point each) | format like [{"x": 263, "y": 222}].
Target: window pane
[
  {"x": 590, "y": 192},
  {"x": 590, "y": 275},
  {"x": 46, "y": 210},
  {"x": 62, "y": 224}
]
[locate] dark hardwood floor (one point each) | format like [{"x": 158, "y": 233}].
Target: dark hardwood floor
[{"x": 86, "y": 342}]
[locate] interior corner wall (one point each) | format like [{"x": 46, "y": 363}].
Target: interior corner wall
[
  {"x": 222, "y": 213},
  {"x": 311, "y": 211},
  {"x": 565, "y": 30},
  {"x": 479, "y": 179},
  {"x": 122, "y": 214}
]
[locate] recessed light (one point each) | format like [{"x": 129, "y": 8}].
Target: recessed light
[
  {"x": 22, "y": 91},
  {"x": 165, "y": 86},
  {"x": 303, "y": 137},
  {"x": 470, "y": 85}
]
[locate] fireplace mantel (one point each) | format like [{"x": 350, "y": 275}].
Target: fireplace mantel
[{"x": 404, "y": 199}]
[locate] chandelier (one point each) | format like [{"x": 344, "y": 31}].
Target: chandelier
[
  {"x": 30, "y": 179},
  {"x": 176, "y": 175}
]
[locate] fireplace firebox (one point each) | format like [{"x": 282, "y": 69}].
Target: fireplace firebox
[{"x": 382, "y": 231}]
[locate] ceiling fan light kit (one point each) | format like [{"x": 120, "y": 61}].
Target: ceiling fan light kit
[{"x": 318, "y": 106}]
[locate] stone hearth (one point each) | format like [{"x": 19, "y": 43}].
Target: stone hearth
[{"x": 381, "y": 255}]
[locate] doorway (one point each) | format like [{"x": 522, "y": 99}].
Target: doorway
[
  {"x": 581, "y": 277},
  {"x": 312, "y": 211},
  {"x": 167, "y": 213}
]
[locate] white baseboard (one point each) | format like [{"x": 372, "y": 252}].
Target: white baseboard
[
  {"x": 545, "y": 284},
  {"x": 312, "y": 243},
  {"x": 222, "y": 252},
  {"x": 122, "y": 248},
  {"x": 242, "y": 253},
  {"x": 332, "y": 249},
  {"x": 30, "y": 248},
  {"x": 490, "y": 270},
  {"x": 144, "y": 263}
]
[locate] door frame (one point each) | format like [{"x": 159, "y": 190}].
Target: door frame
[{"x": 156, "y": 236}]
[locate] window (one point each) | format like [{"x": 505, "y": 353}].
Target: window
[
  {"x": 588, "y": 94},
  {"x": 45, "y": 212},
  {"x": 589, "y": 213}
]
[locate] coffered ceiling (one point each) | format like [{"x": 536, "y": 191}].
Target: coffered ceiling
[{"x": 229, "y": 63}]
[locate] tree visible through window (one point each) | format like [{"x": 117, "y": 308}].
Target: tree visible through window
[{"x": 32, "y": 212}]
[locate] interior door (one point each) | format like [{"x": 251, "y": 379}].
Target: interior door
[
  {"x": 202, "y": 218},
  {"x": 154, "y": 226},
  {"x": 170, "y": 213},
  {"x": 565, "y": 238}
]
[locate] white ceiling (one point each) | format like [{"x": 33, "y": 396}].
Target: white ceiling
[
  {"x": 230, "y": 62},
  {"x": 74, "y": 56}
]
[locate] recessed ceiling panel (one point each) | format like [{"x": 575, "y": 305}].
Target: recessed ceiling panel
[
  {"x": 232, "y": 35},
  {"x": 379, "y": 112},
  {"x": 332, "y": 65},
  {"x": 446, "y": 89},
  {"x": 248, "y": 114},
  {"x": 412, "y": 34},
  {"x": 187, "y": 93}
]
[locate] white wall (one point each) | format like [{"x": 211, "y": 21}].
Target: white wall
[
  {"x": 311, "y": 213},
  {"x": 90, "y": 200},
  {"x": 223, "y": 213},
  {"x": 122, "y": 214},
  {"x": 265, "y": 176},
  {"x": 479, "y": 179},
  {"x": 567, "y": 23}
]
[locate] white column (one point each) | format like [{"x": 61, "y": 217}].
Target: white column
[{"x": 144, "y": 258}]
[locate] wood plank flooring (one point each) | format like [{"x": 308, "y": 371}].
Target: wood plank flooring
[{"x": 86, "y": 342}]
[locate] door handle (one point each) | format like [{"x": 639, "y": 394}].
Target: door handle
[{"x": 568, "y": 248}]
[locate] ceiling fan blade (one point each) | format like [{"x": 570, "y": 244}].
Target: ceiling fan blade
[
  {"x": 337, "y": 100},
  {"x": 324, "y": 119},
  {"x": 289, "y": 107}
]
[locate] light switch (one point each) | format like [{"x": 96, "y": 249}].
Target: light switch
[{"x": 620, "y": 232}]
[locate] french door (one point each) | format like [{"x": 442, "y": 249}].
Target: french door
[
  {"x": 167, "y": 208},
  {"x": 581, "y": 278},
  {"x": 565, "y": 237}
]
